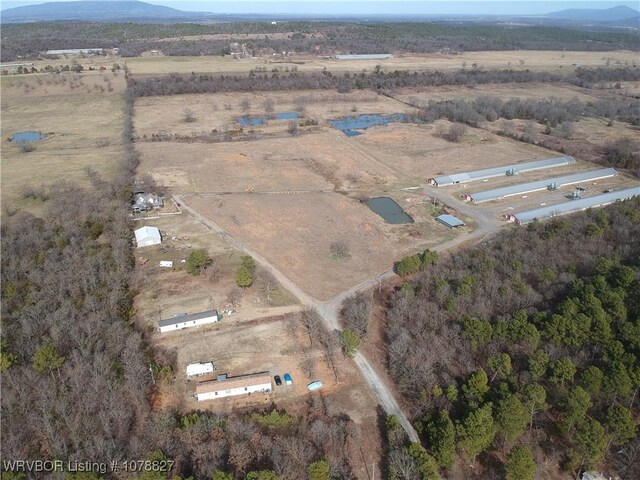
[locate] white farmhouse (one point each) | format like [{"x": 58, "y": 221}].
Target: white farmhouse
[
  {"x": 229, "y": 387},
  {"x": 187, "y": 321},
  {"x": 197, "y": 369},
  {"x": 147, "y": 236}
]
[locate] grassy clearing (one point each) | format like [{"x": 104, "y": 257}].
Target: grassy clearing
[{"x": 84, "y": 130}]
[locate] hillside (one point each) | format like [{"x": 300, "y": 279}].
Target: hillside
[
  {"x": 104, "y": 11},
  {"x": 620, "y": 12}
]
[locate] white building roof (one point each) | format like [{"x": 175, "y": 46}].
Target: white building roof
[
  {"x": 574, "y": 205},
  {"x": 178, "y": 319},
  {"x": 145, "y": 233},
  {"x": 511, "y": 190},
  {"x": 514, "y": 169},
  {"x": 194, "y": 369}
]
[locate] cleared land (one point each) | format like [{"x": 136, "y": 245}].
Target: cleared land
[
  {"x": 84, "y": 129},
  {"x": 532, "y": 60},
  {"x": 295, "y": 232},
  {"x": 315, "y": 162},
  {"x": 165, "y": 292}
]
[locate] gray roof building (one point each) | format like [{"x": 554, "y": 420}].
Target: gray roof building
[
  {"x": 573, "y": 206},
  {"x": 548, "y": 184},
  {"x": 507, "y": 170},
  {"x": 450, "y": 221},
  {"x": 180, "y": 319}
]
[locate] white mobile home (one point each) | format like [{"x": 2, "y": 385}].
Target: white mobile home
[
  {"x": 187, "y": 321},
  {"x": 197, "y": 369},
  {"x": 232, "y": 386}
]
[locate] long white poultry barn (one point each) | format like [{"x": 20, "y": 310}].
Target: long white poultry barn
[
  {"x": 506, "y": 170},
  {"x": 547, "y": 184},
  {"x": 573, "y": 206}
]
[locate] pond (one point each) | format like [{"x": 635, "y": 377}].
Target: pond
[
  {"x": 388, "y": 209},
  {"x": 350, "y": 126},
  {"x": 29, "y": 136},
  {"x": 247, "y": 121}
]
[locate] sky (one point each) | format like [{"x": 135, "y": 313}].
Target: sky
[{"x": 404, "y": 7}]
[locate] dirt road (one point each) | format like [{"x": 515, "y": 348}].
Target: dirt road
[{"x": 329, "y": 310}]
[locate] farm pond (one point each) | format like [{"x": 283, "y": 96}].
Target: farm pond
[
  {"x": 389, "y": 210},
  {"x": 351, "y": 126},
  {"x": 26, "y": 137}
]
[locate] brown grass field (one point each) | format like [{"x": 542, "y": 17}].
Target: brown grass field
[
  {"x": 295, "y": 231},
  {"x": 75, "y": 121},
  {"x": 532, "y": 60},
  {"x": 220, "y": 111},
  {"x": 247, "y": 186},
  {"x": 420, "y": 152},
  {"x": 314, "y": 161},
  {"x": 529, "y": 91}
]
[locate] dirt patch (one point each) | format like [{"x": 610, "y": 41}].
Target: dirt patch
[
  {"x": 319, "y": 161},
  {"x": 295, "y": 233}
]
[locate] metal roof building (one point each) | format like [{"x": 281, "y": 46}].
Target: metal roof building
[
  {"x": 507, "y": 170},
  {"x": 450, "y": 221},
  {"x": 548, "y": 184},
  {"x": 573, "y": 206},
  {"x": 230, "y": 386},
  {"x": 147, "y": 236},
  {"x": 187, "y": 321},
  {"x": 364, "y": 56}
]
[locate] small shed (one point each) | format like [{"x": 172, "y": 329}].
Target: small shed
[
  {"x": 197, "y": 369},
  {"x": 450, "y": 221},
  {"x": 147, "y": 236},
  {"x": 166, "y": 263}
]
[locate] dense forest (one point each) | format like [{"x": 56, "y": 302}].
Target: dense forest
[
  {"x": 30, "y": 40},
  {"x": 524, "y": 347}
]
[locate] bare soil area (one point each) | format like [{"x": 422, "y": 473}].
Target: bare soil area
[
  {"x": 318, "y": 161},
  {"x": 295, "y": 232}
]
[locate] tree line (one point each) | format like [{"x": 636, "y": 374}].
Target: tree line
[
  {"x": 304, "y": 37},
  {"x": 175, "y": 84},
  {"x": 527, "y": 342}
]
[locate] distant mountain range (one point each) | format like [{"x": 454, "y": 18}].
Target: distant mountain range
[
  {"x": 97, "y": 11},
  {"x": 620, "y": 12},
  {"x": 132, "y": 10}
]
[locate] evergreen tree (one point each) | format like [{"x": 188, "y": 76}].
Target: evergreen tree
[
  {"x": 520, "y": 464},
  {"x": 243, "y": 277},
  {"x": 512, "y": 418},
  {"x": 477, "y": 431},
  {"x": 441, "y": 436}
]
